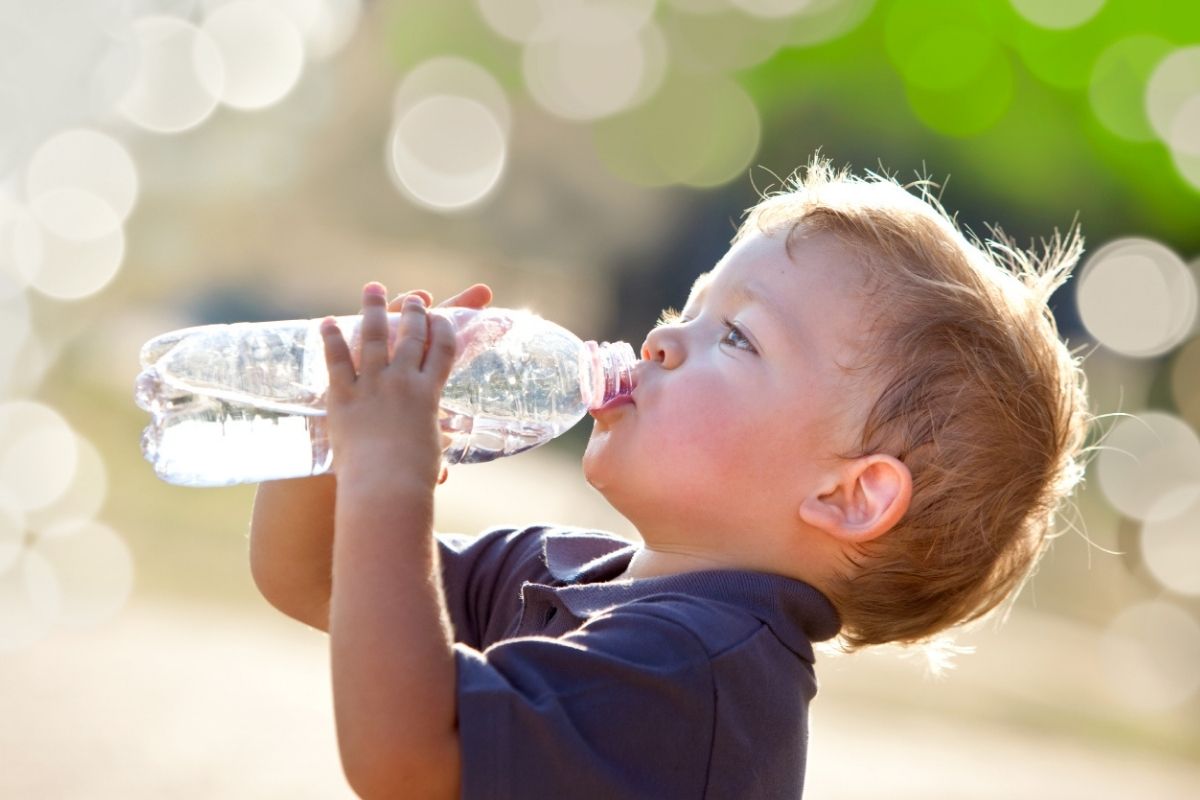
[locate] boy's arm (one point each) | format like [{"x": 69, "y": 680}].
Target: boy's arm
[
  {"x": 391, "y": 640},
  {"x": 291, "y": 546},
  {"x": 392, "y": 645},
  {"x": 291, "y": 527}
]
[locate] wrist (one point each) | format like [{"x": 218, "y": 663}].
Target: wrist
[{"x": 362, "y": 482}]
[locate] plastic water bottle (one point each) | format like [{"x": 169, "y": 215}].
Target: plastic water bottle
[{"x": 244, "y": 403}]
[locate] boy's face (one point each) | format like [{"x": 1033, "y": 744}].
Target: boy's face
[{"x": 740, "y": 403}]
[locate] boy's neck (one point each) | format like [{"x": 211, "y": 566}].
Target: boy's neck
[
  {"x": 648, "y": 562},
  {"x": 654, "y": 561}
]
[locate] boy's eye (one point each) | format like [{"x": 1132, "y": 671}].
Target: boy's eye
[{"x": 733, "y": 334}]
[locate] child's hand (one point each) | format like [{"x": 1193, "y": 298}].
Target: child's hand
[
  {"x": 475, "y": 296},
  {"x": 383, "y": 415}
]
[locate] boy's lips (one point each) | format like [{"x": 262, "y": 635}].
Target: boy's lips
[
  {"x": 617, "y": 402},
  {"x": 621, "y": 399}
]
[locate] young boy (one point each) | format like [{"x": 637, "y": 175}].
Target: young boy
[{"x": 861, "y": 423}]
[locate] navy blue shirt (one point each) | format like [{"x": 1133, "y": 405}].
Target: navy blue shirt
[{"x": 571, "y": 685}]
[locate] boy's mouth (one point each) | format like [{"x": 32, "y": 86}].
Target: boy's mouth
[{"x": 616, "y": 402}]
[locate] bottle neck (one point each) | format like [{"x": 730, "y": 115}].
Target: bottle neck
[{"x": 612, "y": 370}]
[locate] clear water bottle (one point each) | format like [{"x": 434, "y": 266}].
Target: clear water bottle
[{"x": 244, "y": 403}]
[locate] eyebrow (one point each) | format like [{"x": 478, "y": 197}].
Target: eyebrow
[{"x": 743, "y": 293}]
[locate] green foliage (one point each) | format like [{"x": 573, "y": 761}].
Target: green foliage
[{"x": 972, "y": 89}]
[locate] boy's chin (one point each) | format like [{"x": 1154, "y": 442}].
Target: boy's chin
[{"x": 599, "y": 467}]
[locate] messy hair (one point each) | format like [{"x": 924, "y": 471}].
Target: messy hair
[{"x": 973, "y": 390}]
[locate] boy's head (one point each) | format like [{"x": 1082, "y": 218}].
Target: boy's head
[{"x": 860, "y": 397}]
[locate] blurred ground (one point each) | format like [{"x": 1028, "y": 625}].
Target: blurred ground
[{"x": 185, "y": 702}]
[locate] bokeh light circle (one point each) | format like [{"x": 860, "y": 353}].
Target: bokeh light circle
[
  {"x": 947, "y": 56},
  {"x": 969, "y": 109},
  {"x": 1170, "y": 542},
  {"x": 55, "y": 64},
  {"x": 604, "y": 20},
  {"x": 69, "y": 268},
  {"x": 447, "y": 152},
  {"x": 183, "y": 9},
  {"x": 657, "y": 58},
  {"x": 1185, "y": 381},
  {"x": 92, "y": 566},
  {"x": 28, "y": 601},
  {"x": 74, "y": 214},
  {"x": 1137, "y": 297},
  {"x": 1057, "y": 14},
  {"x": 15, "y": 330},
  {"x": 957, "y": 79},
  {"x": 88, "y": 160},
  {"x": 1174, "y": 82},
  {"x": 262, "y": 52},
  {"x": 334, "y": 25},
  {"x": 1150, "y": 652},
  {"x": 541, "y": 22},
  {"x": 698, "y": 131},
  {"x": 15, "y": 225},
  {"x": 19, "y": 135},
  {"x": 1188, "y": 167},
  {"x": 721, "y": 43},
  {"x": 179, "y": 79},
  {"x": 324, "y": 25},
  {"x": 38, "y": 453},
  {"x": 115, "y": 71},
  {"x": 699, "y": 6},
  {"x": 1117, "y": 87},
  {"x": 12, "y": 531},
  {"x": 578, "y": 77},
  {"x": 84, "y": 496},
  {"x": 456, "y": 77},
  {"x": 823, "y": 20},
  {"x": 302, "y": 14},
  {"x": 772, "y": 9},
  {"x": 523, "y": 21},
  {"x": 1145, "y": 461},
  {"x": 1183, "y": 137}
]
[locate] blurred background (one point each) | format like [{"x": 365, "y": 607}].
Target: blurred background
[{"x": 166, "y": 163}]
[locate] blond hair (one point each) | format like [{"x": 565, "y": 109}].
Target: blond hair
[{"x": 974, "y": 391}]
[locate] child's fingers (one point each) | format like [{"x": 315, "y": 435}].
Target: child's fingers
[
  {"x": 413, "y": 334},
  {"x": 374, "y": 338},
  {"x": 476, "y": 296},
  {"x": 337, "y": 354},
  {"x": 443, "y": 344},
  {"x": 398, "y": 301}
]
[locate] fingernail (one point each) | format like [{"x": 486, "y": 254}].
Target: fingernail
[
  {"x": 412, "y": 301},
  {"x": 376, "y": 288}
]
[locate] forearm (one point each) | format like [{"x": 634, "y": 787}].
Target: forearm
[
  {"x": 391, "y": 641},
  {"x": 291, "y": 546}
]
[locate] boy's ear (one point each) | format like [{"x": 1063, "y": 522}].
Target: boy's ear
[{"x": 870, "y": 496}]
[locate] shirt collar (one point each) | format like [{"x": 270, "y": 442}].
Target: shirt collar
[{"x": 795, "y": 611}]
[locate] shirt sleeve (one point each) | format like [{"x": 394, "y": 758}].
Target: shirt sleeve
[
  {"x": 482, "y": 577},
  {"x": 622, "y": 707}
]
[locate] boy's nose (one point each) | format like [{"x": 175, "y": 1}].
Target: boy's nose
[{"x": 660, "y": 347}]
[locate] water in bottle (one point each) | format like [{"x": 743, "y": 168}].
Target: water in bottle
[{"x": 245, "y": 402}]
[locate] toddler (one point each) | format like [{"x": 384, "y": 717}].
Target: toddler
[{"x": 860, "y": 425}]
